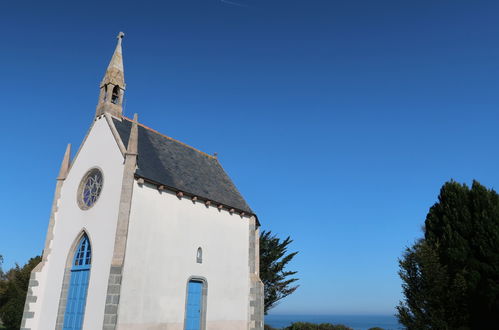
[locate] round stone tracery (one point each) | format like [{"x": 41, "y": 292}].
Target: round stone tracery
[{"x": 90, "y": 189}]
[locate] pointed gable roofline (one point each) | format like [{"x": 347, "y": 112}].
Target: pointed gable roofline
[{"x": 161, "y": 160}]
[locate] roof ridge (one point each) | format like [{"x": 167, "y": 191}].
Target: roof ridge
[{"x": 171, "y": 139}]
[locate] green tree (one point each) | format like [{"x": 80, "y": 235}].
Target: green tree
[
  {"x": 451, "y": 276},
  {"x": 13, "y": 289},
  {"x": 2, "y": 287},
  {"x": 273, "y": 260},
  {"x": 422, "y": 276},
  {"x": 313, "y": 326}
]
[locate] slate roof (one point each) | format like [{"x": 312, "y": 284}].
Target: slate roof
[{"x": 176, "y": 165}]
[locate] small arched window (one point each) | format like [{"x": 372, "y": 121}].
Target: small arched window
[
  {"x": 116, "y": 95},
  {"x": 199, "y": 256},
  {"x": 103, "y": 93}
]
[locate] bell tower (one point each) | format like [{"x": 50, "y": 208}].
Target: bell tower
[{"x": 112, "y": 87}]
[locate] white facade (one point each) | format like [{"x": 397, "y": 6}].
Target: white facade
[
  {"x": 99, "y": 150},
  {"x": 164, "y": 235},
  {"x": 145, "y": 236}
]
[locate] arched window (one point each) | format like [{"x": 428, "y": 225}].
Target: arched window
[
  {"x": 116, "y": 95},
  {"x": 105, "y": 92},
  {"x": 199, "y": 256},
  {"x": 78, "y": 285}
]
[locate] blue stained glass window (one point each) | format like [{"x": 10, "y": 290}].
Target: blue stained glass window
[
  {"x": 83, "y": 256},
  {"x": 91, "y": 188},
  {"x": 78, "y": 285}
]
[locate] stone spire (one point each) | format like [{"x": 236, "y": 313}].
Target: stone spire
[
  {"x": 66, "y": 162},
  {"x": 112, "y": 87},
  {"x": 134, "y": 134}
]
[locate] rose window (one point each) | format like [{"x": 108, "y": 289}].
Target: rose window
[{"x": 90, "y": 189}]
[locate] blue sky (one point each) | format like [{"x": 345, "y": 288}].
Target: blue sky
[{"x": 338, "y": 120}]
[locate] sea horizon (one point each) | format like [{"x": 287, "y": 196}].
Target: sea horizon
[{"x": 355, "y": 321}]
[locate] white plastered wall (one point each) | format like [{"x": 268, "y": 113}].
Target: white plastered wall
[
  {"x": 164, "y": 235},
  {"x": 99, "y": 150}
]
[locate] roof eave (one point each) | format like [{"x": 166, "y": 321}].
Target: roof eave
[{"x": 202, "y": 198}]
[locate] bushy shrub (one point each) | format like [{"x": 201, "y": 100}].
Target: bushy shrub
[
  {"x": 268, "y": 327},
  {"x": 313, "y": 326}
]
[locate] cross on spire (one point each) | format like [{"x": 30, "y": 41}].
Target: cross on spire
[{"x": 113, "y": 84}]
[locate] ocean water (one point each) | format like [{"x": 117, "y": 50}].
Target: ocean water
[{"x": 357, "y": 322}]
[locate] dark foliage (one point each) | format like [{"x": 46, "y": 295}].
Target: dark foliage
[
  {"x": 313, "y": 326},
  {"x": 13, "y": 289},
  {"x": 451, "y": 276},
  {"x": 273, "y": 260},
  {"x": 268, "y": 327}
]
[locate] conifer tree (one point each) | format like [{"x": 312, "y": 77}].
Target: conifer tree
[
  {"x": 451, "y": 276},
  {"x": 13, "y": 289},
  {"x": 273, "y": 260}
]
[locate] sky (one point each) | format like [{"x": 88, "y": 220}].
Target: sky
[{"x": 338, "y": 121}]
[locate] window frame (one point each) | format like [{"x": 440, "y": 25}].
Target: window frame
[{"x": 81, "y": 187}]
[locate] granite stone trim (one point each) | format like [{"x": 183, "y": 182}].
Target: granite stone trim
[
  {"x": 30, "y": 298},
  {"x": 116, "y": 270},
  {"x": 66, "y": 280},
  {"x": 113, "y": 78},
  {"x": 256, "y": 294},
  {"x": 116, "y": 135},
  {"x": 112, "y": 297},
  {"x": 83, "y": 182},
  {"x": 63, "y": 173},
  {"x": 256, "y": 304},
  {"x": 63, "y": 298}
]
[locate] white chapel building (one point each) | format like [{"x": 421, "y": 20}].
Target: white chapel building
[{"x": 145, "y": 232}]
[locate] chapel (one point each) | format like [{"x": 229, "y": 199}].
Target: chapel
[{"x": 145, "y": 232}]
